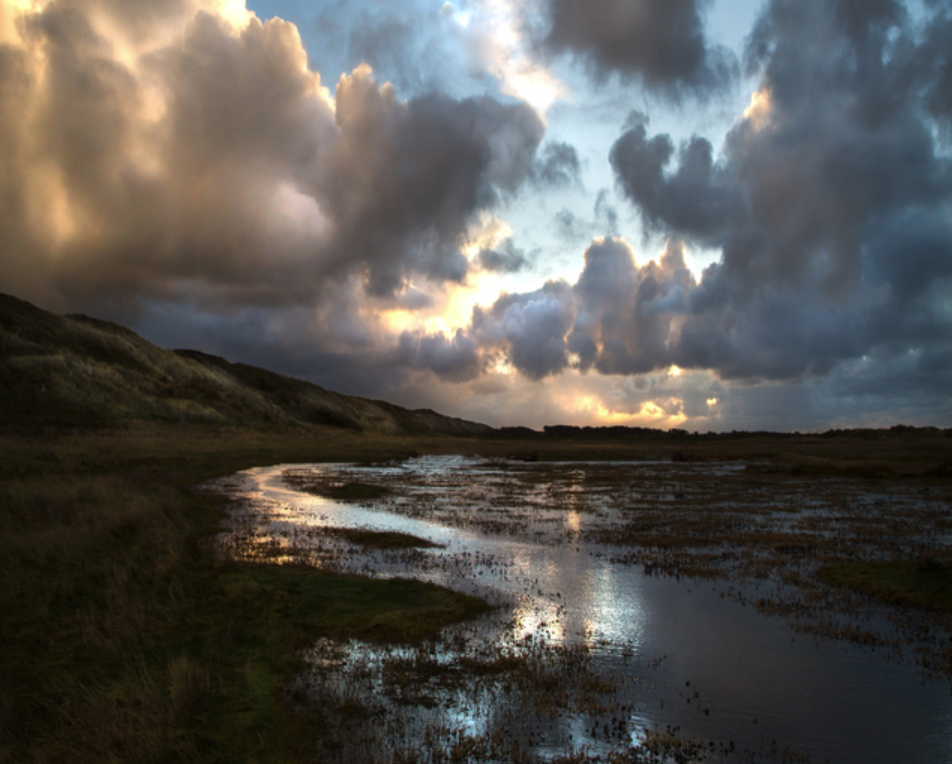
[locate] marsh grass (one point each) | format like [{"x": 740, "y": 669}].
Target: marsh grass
[
  {"x": 357, "y": 492},
  {"x": 923, "y": 583},
  {"x": 380, "y": 539},
  {"x": 325, "y": 604},
  {"x": 125, "y": 640}
]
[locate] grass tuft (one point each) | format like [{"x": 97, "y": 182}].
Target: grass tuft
[
  {"x": 357, "y": 492},
  {"x": 923, "y": 583},
  {"x": 380, "y": 539}
]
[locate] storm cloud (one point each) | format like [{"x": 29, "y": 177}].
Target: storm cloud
[
  {"x": 529, "y": 328},
  {"x": 184, "y": 153},
  {"x": 660, "y": 42},
  {"x": 828, "y": 201},
  {"x": 208, "y": 153}
]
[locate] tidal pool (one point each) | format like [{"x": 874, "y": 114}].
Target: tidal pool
[{"x": 613, "y": 635}]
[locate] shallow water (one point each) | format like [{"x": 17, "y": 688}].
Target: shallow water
[{"x": 669, "y": 653}]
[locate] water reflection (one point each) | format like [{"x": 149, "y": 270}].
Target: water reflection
[{"x": 587, "y": 653}]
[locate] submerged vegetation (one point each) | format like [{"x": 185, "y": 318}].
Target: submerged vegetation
[
  {"x": 549, "y": 539},
  {"x": 379, "y": 539},
  {"x": 357, "y": 492}
]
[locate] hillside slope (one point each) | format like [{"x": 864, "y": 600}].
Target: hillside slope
[{"x": 77, "y": 370}]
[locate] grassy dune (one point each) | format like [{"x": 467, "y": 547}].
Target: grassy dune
[{"x": 81, "y": 371}]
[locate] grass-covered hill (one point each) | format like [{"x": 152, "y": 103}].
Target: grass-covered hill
[{"x": 77, "y": 370}]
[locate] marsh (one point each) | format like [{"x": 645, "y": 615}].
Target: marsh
[{"x": 636, "y": 605}]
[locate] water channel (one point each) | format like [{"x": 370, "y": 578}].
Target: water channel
[{"x": 586, "y": 651}]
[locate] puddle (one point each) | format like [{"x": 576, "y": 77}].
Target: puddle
[{"x": 589, "y": 654}]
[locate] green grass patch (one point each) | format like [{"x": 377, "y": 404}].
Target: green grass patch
[
  {"x": 357, "y": 492},
  {"x": 381, "y": 539},
  {"x": 325, "y": 604},
  {"x": 916, "y": 583}
]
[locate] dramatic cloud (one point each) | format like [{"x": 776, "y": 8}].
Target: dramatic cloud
[
  {"x": 188, "y": 153},
  {"x": 661, "y": 42},
  {"x": 698, "y": 200},
  {"x": 625, "y": 313},
  {"x": 558, "y": 166},
  {"x": 453, "y": 359},
  {"x": 181, "y": 166},
  {"x": 829, "y": 202},
  {"x": 407, "y": 179},
  {"x": 531, "y": 329},
  {"x": 616, "y": 319},
  {"x": 506, "y": 258}
]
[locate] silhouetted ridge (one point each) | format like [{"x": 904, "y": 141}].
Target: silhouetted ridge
[{"x": 77, "y": 370}]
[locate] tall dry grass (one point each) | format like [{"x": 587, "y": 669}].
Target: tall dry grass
[
  {"x": 122, "y": 638},
  {"x": 94, "y": 572}
]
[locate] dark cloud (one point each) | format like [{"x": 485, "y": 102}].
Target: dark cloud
[
  {"x": 184, "y": 156},
  {"x": 530, "y": 328},
  {"x": 927, "y": 64},
  {"x": 661, "y": 42},
  {"x": 453, "y": 359},
  {"x": 558, "y": 166},
  {"x": 407, "y": 179},
  {"x": 216, "y": 158},
  {"x": 698, "y": 200},
  {"x": 616, "y": 319},
  {"x": 624, "y": 313},
  {"x": 911, "y": 254},
  {"x": 184, "y": 169},
  {"x": 829, "y": 201},
  {"x": 832, "y": 144},
  {"x": 505, "y": 258}
]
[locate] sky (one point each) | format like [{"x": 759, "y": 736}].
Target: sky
[{"x": 703, "y": 214}]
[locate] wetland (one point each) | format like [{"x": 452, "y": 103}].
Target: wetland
[
  {"x": 655, "y": 610},
  {"x": 402, "y": 612}
]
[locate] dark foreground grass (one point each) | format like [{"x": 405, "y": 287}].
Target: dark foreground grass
[
  {"x": 380, "y": 539},
  {"x": 123, "y": 639},
  {"x": 323, "y": 604},
  {"x": 357, "y": 492},
  {"x": 921, "y": 583}
]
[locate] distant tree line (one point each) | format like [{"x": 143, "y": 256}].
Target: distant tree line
[{"x": 618, "y": 432}]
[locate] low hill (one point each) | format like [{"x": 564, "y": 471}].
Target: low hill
[{"x": 77, "y": 370}]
